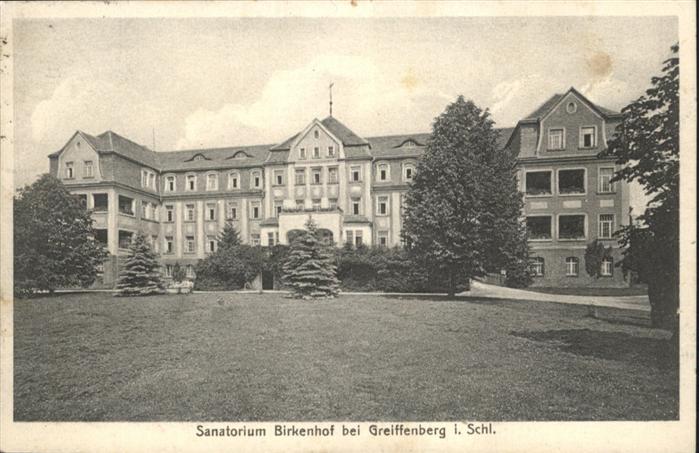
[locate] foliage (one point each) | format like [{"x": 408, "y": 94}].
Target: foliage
[
  {"x": 54, "y": 241},
  {"x": 140, "y": 275},
  {"x": 595, "y": 253},
  {"x": 178, "y": 273},
  {"x": 309, "y": 269},
  {"x": 231, "y": 266},
  {"x": 274, "y": 261},
  {"x": 646, "y": 147},
  {"x": 463, "y": 207}
]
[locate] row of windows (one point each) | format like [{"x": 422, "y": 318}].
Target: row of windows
[
  {"x": 316, "y": 152},
  {"x": 88, "y": 169},
  {"x": 148, "y": 179},
  {"x": 211, "y": 211},
  {"x": 570, "y": 181},
  {"x": 570, "y": 227},
  {"x": 212, "y": 181},
  {"x": 587, "y": 138},
  {"x": 572, "y": 267}
]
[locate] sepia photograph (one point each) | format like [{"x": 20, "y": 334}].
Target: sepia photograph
[{"x": 318, "y": 226}]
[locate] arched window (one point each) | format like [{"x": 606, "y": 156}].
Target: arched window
[
  {"x": 537, "y": 266},
  {"x": 383, "y": 172},
  {"x": 233, "y": 180},
  {"x": 607, "y": 267},
  {"x": 572, "y": 266},
  {"x": 212, "y": 181},
  {"x": 408, "y": 172}
]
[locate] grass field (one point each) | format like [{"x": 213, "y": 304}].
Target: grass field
[
  {"x": 93, "y": 357},
  {"x": 632, "y": 291}
]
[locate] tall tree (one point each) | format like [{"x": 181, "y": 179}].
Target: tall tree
[
  {"x": 141, "y": 273},
  {"x": 309, "y": 270},
  {"x": 463, "y": 208},
  {"x": 647, "y": 148},
  {"x": 54, "y": 241}
]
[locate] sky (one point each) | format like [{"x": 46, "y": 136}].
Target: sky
[{"x": 196, "y": 83}]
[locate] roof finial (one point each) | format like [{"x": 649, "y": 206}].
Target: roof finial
[{"x": 331, "y": 98}]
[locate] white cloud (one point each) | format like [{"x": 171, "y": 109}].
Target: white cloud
[
  {"x": 291, "y": 98},
  {"x": 607, "y": 91}
]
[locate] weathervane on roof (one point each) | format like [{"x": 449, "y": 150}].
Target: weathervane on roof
[{"x": 331, "y": 98}]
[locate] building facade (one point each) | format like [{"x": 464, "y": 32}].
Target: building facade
[{"x": 352, "y": 187}]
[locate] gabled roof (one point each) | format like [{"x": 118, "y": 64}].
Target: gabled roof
[
  {"x": 343, "y": 133},
  {"x": 553, "y": 101},
  {"x": 111, "y": 142}
]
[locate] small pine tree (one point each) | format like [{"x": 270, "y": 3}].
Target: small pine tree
[
  {"x": 140, "y": 275},
  {"x": 309, "y": 270},
  {"x": 229, "y": 237}
]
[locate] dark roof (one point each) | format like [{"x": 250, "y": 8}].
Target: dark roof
[
  {"x": 214, "y": 158},
  {"x": 504, "y": 134},
  {"x": 127, "y": 148},
  {"x": 546, "y": 107},
  {"x": 343, "y": 133}
]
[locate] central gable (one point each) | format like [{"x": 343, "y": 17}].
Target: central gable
[{"x": 316, "y": 142}]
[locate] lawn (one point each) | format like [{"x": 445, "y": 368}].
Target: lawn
[
  {"x": 235, "y": 357},
  {"x": 631, "y": 291}
]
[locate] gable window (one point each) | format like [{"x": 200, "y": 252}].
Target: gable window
[
  {"x": 571, "y": 107},
  {"x": 191, "y": 182},
  {"x": 190, "y": 213},
  {"x": 607, "y": 269},
  {"x": 169, "y": 213},
  {"x": 302, "y": 153},
  {"x": 382, "y": 205},
  {"x": 233, "y": 181},
  {"x": 126, "y": 205},
  {"x": 316, "y": 153},
  {"x": 382, "y": 172},
  {"x": 539, "y": 227},
  {"x": 170, "y": 184},
  {"x": 572, "y": 266},
  {"x": 212, "y": 181},
  {"x": 538, "y": 183},
  {"x": 300, "y": 176},
  {"x": 571, "y": 227},
  {"x": 69, "y": 170},
  {"x": 355, "y": 173},
  {"x": 100, "y": 202},
  {"x": 606, "y": 226},
  {"x": 571, "y": 182},
  {"x": 331, "y": 151},
  {"x": 605, "y": 178},
  {"x": 278, "y": 177},
  {"x": 316, "y": 176},
  {"x": 356, "y": 204},
  {"x": 88, "y": 169},
  {"x": 537, "y": 266},
  {"x": 332, "y": 175},
  {"x": 588, "y": 137},
  {"x": 316, "y": 134},
  {"x": 408, "y": 172},
  {"x": 556, "y": 139},
  {"x": 211, "y": 211},
  {"x": 256, "y": 179}
]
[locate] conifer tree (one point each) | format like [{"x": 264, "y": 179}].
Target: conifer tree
[
  {"x": 462, "y": 215},
  {"x": 309, "y": 270},
  {"x": 140, "y": 275}
]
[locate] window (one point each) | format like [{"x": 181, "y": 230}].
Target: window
[
  {"x": 190, "y": 213},
  {"x": 605, "y": 178},
  {"x": 358, "y": 238},
  {"x": 169, "y": 213},
  {"x": 169, "y": 245},
  {"x": 124, "y": 239},
  {"x": 331, "y": 151},
  {"x": 606, "y": 226},
  {"x": 382, "y": 172},
  {"x": 278, "y": 177},
  {"x": 210, "y": 244},
  {"x": 88, "y": 169},
  {"x": 126, "y": 205},
  {"x": 170, "y": 184},
  {"x": 332, "y": 175},
  {"x": 212, "y": 181},
  {"x": 588, "y": 137},
  {"x": 607, "y": 269},
  {"x": 538, "y": 183},
  {"x": 211, "y": 211},
  {"x": 571, "y": 107},
  {"x": 154, "y": 243},
  {"x": 315, "y": 204},
  {"x": 316, "y": 153},
  {"x": 571, "y": 227},
  {"x": 572, "y": 266},
  {"x": 151, "y": 181},
  {"x": 300, "y": 176},
  {"x": 278, "y": 208},
  {"x": 316, "y": 134},
  {"x": 300, "y": 204},
  {"x": 571, "y": 182},
  {"x": 537, "y": 267},
  {"x": 255, "y": 239},
  {"x": 255, "y": 180},
  {"x": 383, "y": 238},
  {"x": 382, "y": 205},
  {"x": 233, "y": 181},
  {"x": 100, "y": 202},
  {"x": 302, "y": 153},
  {"x": 556, "y": 139},
  {"x": 349, "y": 237},
  {"x": 148, "y": 179},
  {"x": 69, "y": 170},
  {"x": 144, "y": 210},
  {"x": 332, "y": 203},
  {"x": 191, "y": 182},
  {"x": 189, "y": 271},
  {"x": 539, "y": 227},
  {"x": 270, "y": 239},
  {"x": 102, "y": 237},
  {"x": 255, "y": 211},
  {"x": 189, "y": 244},
  {"x": 232, "y": 210},
  {"x": 315, "y": 176},
  {"x": 355, "y": 173},
  {"x": 356, "y": 207},
  {"x": 408, "y": 172}
]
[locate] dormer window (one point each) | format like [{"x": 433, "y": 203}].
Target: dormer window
[
  {"x": 212, "y": 181},
  {"x": 70, "y": 170},
  {"x": 409, "y": 144},
  {"x": 199, "y": 157},
  {"x": 191, "y": 183}
]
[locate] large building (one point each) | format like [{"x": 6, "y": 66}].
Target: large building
[{"x": 352, "y": 186}]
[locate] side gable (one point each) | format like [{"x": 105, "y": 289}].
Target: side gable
[{"x": 81, "y": 153}]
